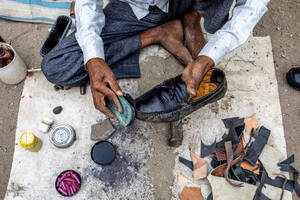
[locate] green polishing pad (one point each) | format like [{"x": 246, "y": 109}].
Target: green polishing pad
[{"x": 128, "y": 114}]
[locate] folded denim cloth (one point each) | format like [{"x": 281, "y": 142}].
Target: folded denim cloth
[{"x": 168, "y": 101}]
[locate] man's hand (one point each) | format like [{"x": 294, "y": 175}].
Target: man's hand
[
  {"x": 194, "y": 73},
  {"x": 100, "y": 77}
]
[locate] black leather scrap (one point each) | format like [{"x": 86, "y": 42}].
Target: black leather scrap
[
  {"x": 296, "y": 184},
  {"x": 286, "y": 167},
  {"x": 297, "y": 188},
  {"x": 229, "y": 121},
  {"x": 186, "y": 162},
  {"x": 288, "y": 161},
  {"x": 278, "y": 182},
  {"x": 258, "y": 194},
  {"x": 251, "y": 177},
  {"x": 238, "y": 174},
  {"x": 210, "y": 196},
  {"x": 257, "y": 146},
  {"x": 247, "y": 145},
  {"x": 215, "y": 163},
  {"x": 207, "y": 149},
  {"x": 236, "y": 127},
  {"x": 261, "y": 197}
]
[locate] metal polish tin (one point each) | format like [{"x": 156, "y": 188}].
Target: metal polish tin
[{"x": 62, "y": 136}]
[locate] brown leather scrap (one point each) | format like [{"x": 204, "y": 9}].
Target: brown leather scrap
[
  {"x": 200, "y": 167},
  {"x": 182, "y": 181},
  {"x": 219, "y": 171},
  {"x": 229, "y": 155},
  {"x": 191, "y": 193},
  {"x": 221, "y": 154},
  {"x": 251, "y": 123}
]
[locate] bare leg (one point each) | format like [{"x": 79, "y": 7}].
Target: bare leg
[
  {"x": 193, "y": 33},
  {"x": 170, "y": 36}
]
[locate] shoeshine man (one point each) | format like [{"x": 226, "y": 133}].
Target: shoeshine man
[{"x": 107, "y": 42}]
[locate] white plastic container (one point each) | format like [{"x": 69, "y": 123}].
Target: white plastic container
[
  {"x": 15, "y": 71},
  {"x": 45, "y": 124}
]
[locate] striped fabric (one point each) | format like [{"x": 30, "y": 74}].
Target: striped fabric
[{"x": 39, "y": 11}]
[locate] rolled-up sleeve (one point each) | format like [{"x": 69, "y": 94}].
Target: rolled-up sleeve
[
  {"x": 90, "y": 20},
  {"x": 236, "y": 31}
]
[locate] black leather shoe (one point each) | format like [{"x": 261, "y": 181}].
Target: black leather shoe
[
  {"x": 169, "y": 101},
  {"x": 293, "y": 77}
]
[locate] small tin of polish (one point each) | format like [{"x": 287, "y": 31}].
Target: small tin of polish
[
  {"x": 103, "y": 153},
  {"x": 62, "y": 136}
]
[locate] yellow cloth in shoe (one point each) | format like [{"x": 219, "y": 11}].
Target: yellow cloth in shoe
[{"x": 205, "y": 87}]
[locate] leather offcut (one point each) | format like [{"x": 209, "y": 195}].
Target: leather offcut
[
  {"x": 228, "y": 122},
  {"x": 186, "y": 162},
  {"x": 278, "y": 182},
  {"x": 191, "y": 193},
  {"x": 257, "y": 146},
  {"x": 221, "y": 154},
  {"x": 207, "y": 149},
  {"x": 251, "y": 123},
  {"x": 229, "y": 156},
  {"x": 236, "y": 127},
  {"x": 182, "y": 181},
  {"x": 286, "y": 167},
  {"x": 210, "y": 196},
  {"x": 258, "y": 194},
  {"x": 238, "y": 174},
  {"x": 200, "y": 167}
]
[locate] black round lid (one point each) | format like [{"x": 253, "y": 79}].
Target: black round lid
[{"x": 103, "y": 153}]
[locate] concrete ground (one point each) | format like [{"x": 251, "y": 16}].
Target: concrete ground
[
  {"x": 281, "y": 23},
  {"x": 138, "y": 151}
]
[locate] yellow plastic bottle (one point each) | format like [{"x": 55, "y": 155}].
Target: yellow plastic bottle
[{"x": 30, "y": 142}]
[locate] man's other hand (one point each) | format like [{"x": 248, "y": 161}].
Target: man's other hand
[
  {"x": 101, "y": 77},
  {"x": 194, "y": 73}
]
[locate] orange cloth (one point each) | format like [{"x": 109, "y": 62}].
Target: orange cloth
[{"x": 205, "y": 87}]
